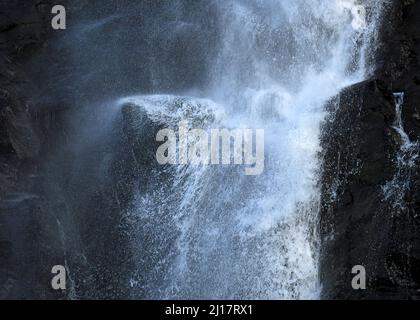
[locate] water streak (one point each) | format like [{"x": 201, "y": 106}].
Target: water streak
[{"x": 395, "y": 190}]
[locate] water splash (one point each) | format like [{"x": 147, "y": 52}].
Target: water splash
[{"x": 213, "y": 233}]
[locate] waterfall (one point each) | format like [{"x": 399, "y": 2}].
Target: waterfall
[{"x": 211, "y": 232}]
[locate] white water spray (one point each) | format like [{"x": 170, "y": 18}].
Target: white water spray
[{"x": 214, "y": 233}]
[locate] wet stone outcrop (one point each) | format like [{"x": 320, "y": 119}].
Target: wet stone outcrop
[
  {"x": 56, "y": 207},
  {"x": 357, "y": 225},
  {"x": 24, "y": 31}
]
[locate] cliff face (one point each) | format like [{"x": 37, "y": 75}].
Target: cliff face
[
  {"x": 371, "y": 175},
  {"x": 23, "y": 33},
  {"x": 56, "y": 206}
]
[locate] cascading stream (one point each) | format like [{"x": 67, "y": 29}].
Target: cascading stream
[{"x": 213, "y": 232}]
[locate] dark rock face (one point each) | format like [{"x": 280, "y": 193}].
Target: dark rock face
[
  {"x": 356, "y": 225},
  {"x": 23, "y": 32},
  {"x": 61, "y": 200},
  {"x": 399, "y": 59},
  {"x": 359, "y": 225}
]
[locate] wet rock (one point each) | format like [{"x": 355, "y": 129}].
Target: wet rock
[
  {"x": 25, "y": 255},
  {"x": 398, "y": 58},
  {"x": 18, "y": 134},
  {"x": 358, "y": 150}
]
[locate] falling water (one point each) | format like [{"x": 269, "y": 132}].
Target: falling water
[{"x": 211, "y": 231}]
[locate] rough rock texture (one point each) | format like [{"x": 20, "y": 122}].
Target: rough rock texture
[
  {"x": 23, "y": 33},
  {"x": 360, "y": 225},
  {"x": 357, "y": 225},
  {"x": 61, "y": 196}
]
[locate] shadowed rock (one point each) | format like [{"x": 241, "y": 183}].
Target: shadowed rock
[{"x": 358, "y": 227}]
